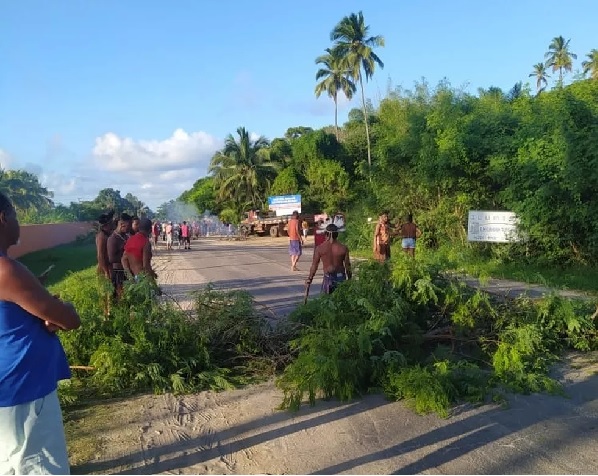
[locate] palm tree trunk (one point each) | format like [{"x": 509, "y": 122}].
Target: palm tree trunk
[
  {"x": 335, "y": 117},
  {"x": 367, "y": 129}
]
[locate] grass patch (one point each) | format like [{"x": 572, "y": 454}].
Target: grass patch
[
  {"x": 465, "y": 260},
  {"x": 67, "y": 259}
]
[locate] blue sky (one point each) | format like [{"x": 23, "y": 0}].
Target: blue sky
[{"x": 138, "y": 94}]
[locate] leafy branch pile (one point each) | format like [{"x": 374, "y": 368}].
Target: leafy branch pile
[
  {"x": 146, "y": 345},
  {"x": 429, "y": 339}
]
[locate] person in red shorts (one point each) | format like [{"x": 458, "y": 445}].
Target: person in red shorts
[{"x": 137, "y": 257}]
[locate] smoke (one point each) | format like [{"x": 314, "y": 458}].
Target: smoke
[
  {"x": 177, "y": 212},
  {"x": 207, "y": 224}
]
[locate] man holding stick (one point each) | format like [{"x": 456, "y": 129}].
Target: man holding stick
[{"x": 335, "y": 259}]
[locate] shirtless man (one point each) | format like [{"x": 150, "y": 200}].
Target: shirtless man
[
  {"x": 116, "y": 246},
  {"x": 105, "y": 221},
  {"x": 336, "y": 263},
  {"x": 382, "y": 239},
  {"x": 409, "y": 232},
  {"x": 137, "y": 256}
]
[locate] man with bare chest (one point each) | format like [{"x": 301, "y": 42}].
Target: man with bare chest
[{"x": 335, "y": 259}]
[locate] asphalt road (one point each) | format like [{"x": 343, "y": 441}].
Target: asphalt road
[{"x": 260, "y": 265}]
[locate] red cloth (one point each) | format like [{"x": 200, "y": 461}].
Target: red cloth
[
  {"x": 134, "y": 245},
  {"x": 185, "y": 231},
  {"x": 319, "y": 238}
]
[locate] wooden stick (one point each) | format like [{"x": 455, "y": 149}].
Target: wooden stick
[
  {"x": 306, "y": 295},
  {"x": 82, "y": 367}
]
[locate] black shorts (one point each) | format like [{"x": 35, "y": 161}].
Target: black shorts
[{"x": 118, "y": 277}]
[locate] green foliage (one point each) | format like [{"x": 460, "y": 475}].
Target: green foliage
[
  {"x": 146, "y": 344},
  {"x": 428, "y": 338}
]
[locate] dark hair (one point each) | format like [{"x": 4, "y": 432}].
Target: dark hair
[
  {"x": 135, "y": 217},
  {"x": 145, "y": 224},
  {"x": 5, "y": 203},
  {"x": 125, "y": 217},
  {"x": 409, "y": 217},
  {"x": 184, "y": 223},
  {"x": 105, "y": 218},
  {"x": 332, "y": 230}
]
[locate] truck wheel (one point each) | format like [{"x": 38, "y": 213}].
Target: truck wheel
[{"x": 274, "y": 232}]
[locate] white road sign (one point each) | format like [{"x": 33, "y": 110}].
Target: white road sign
[{"x": 493, "y": 227}]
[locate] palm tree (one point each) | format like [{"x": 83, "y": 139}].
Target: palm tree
[
  {"x": 591, "y": 65},
  {"x": 558, "y": 56},
  {"x": 241, "y": 172},
  {"x": 336, "y": 78},
  {"x": 354, "y": 45},
  {"x": 541, "y": 76}
]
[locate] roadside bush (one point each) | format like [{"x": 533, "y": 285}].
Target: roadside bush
[
  {"x": 144, "y": 344},
  {"x": 427, "y": 338}
]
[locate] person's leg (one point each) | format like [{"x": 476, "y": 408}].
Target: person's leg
[{"x": 32, "y": 439}]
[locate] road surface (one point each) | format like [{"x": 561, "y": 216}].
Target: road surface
[{"x": 261, "y": 266}]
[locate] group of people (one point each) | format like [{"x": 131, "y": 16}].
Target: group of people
[
  {"x": 334, "y": 255},
  {"x": 171, "y": 233},
  {"x": 124, "y": 249}
]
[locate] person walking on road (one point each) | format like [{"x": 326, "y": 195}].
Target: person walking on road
[
  {"x": 336, "y": 263},
  {"x": 295, "y": 240},
  {"x": 32, "y": 439}
]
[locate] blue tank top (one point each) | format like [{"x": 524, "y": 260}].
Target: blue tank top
[{"x": 32, "y": 360}]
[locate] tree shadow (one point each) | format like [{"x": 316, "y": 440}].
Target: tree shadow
[
  {"x": 479, "y": 430},
  {"x": 208, "y": 446}
]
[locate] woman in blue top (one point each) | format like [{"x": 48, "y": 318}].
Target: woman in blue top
[{"x": 32, "y": 361}]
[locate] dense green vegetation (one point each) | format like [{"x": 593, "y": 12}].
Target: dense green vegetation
[
  {"x": 418, "y": 335},
  {"x": 438, "y": 152}
]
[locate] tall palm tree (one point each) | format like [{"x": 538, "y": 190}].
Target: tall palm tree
[
  {"x": 354, "y": 44},
  {"x": 558, "y": 56},
  {"x": 336, "y": 78},
  {"x": 591, "y": 65},
  {"x": 541, "y": 76},
  {"x": 241, "y": 172}
]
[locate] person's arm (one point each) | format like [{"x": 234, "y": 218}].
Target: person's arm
[
  {"x": 347, "y": 263},
  {"x": 147, "y": 260},
  {"x": 314, "y": 267},
  {"x": 299, "y": 233},
  {"x": 101, "y": 254},
  {"x": 418, "y": 232},
  {"x": 20, "y": 286},
  {"x": 126, "y": 263},
  {"x": 377, "y": 238}
]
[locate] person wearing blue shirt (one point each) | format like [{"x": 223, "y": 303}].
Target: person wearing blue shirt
[{"x": 32, "y": 361}]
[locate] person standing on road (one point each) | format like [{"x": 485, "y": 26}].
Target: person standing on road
[
  {"x": 116, "y": 247},
  {"x": 336, "y": 262},
  {"x": 304, "y": 228},
  {"x": 409, "y": 232},
  {"x": 32, "y": 361},
  {"x": 168, "y": 233},
  {"x": 295, "y": 240},
  {"x": 137, "y": 256},
  {"x": 186, "y": 235}
]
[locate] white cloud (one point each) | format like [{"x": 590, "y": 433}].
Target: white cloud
[{"x": 181, "y": 150}]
